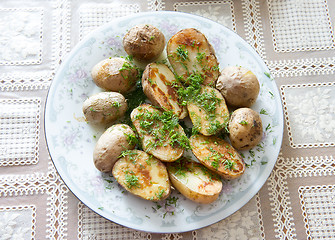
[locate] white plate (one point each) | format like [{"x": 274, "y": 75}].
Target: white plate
[{"x": 71, "y": 140}]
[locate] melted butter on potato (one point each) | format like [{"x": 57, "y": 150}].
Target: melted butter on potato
[
  {"x": 160, "y": 86},
  {"x": 190, "y": 52},
  {"x": 142, "y": 175},
  {"x": 218, "y": 156},
  {"x": 194, "y": 181}
]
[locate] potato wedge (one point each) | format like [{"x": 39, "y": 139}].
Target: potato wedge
[
  {"x": 217, "y": 155},
  {"x": 159, "y": 132},
  {"x": 208, "y": 111},
  {"x": 189, "y": 51},
  {"x": 142, "y": 175},
  {"x": 194, "y": 181},
  {"x": 158, "y": 83}
]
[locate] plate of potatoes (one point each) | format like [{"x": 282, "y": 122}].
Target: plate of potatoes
[{"x": 163, "y": 122}]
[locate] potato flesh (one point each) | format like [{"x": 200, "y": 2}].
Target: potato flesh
[
  {"x": 195, "y": 182},
  {"x": 157, "y": 84},
  {"x": 217, "y": 155},
  {"x": 163, "y": 150},
  {"x": 142, "y": 175},
  {"x": 200, "y": 55},
  {"x": 209, "y": 123}
]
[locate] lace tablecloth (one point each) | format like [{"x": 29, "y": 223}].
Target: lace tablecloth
[{"x": 294, "y": 38}]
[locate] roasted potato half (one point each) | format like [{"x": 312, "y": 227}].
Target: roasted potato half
[
  {"x": 104, "y": 107},
  {"x": 217, "y": 155},
  {"x": 208, "y": 111},
  {"x": 190, "y": 52},
  {"x": 115, "y": 74},
  {"x": 245, "y": 128},
  {"x": 144, "y": 42},
  {"x": 239, "y": 86},
  {"x": 112, "y": 142},
  {"x": 194, "y": 181},
  {"x": 159, "y": 132},
  {"x": 160, "y": 86},
  {"x": 142, "y": 175}
]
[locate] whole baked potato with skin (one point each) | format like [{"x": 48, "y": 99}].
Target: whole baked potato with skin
[
  {"x": 194, "y": 181},
  {"x": 239, "y": 86},
  {"x": 245, "y": 128},
  {"x": 104, "y": 107},
  {"x": 142, "y": 175},
  {"x": 218, "y": 156},
  {"x": 111, "y": 144},
  {"x": 160, "y": 86},
  {"x": 115, "y": 74},
  {"x": 190, "y": 52},
  {"x": 144, "y": 42}
]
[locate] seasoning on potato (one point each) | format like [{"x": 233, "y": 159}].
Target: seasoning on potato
[
  {"x": 239, "y": 86},
  {"x": 111, "y": 144},
  {"x": 159, "y": 132},
  {"x": 104, "y": 107},
  {"x": 208, "y": 111},
  {"x": 190, "y": 52},
  {"x": 144, "y": 42},
  {"x": 245, "y": 128},
  {"x": 115, "y": 74},
  {"x": 160, "y": 86},
  {"x": 142, "y": 175},
  {"x": 194, "y": 181},
  {"x": 218, "y": 156}
]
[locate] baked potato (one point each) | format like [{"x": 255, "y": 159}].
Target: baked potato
[
  {"x": 190, "y": 52},
  {"x": 115, "y": 74},
  {"x": 245, "y": 128},
  {"x": 144, "y": 42},
  {"x": 160, "y": 86},
  {"x": 194, "y": 181},
  {"x": 111, "y": 144},
  {"x": 142, "y": 175},
  {"x": 208, "y": 111},
  {"x": 159, "y": 132},
  {"x": 239, "y": 86},
  {"x": 218, "y": 156},
  {"x": 104, "y": 107}
]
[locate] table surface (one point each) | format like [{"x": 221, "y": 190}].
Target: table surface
[{"x": 294, "y": 38}]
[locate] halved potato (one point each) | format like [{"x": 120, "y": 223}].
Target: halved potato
[
  {"x": 159, "y": 85},
  {"x": 217, "y": 155},
  {"x": 142, "y": 175},
  {"x": 190, "y": 52},
  {"x": 208, "y": 111},
  {"x": 159, "y": 132},
  {"x": 194, "y": 181}
]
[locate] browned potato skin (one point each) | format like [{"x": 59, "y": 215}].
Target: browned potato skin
[
  {"x": 144, "y": 42},
  {"x": 195, "y": 42},
  {"x": 200, "y": 118},
  {"x": 166, "y": 152},
  {"x": 206, "y": 149},
  {"x": 245, "y": 128},
  {"x": 110, "y": 145},
  {"x": 207, "y": 189},
  {"x": 239, "y": 86},
  {"x": 110, "y": 75},
  {"x": 153, "y": 179},
  {"x": 157, "y": 81},
  {"x": 104, "y": 107}
]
